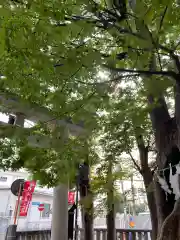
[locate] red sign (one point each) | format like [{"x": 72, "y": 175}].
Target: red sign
[
  {"x": 28, "y": 190},
  {"x": 41, "y": 207},
  {"x": 71, "y": 196}
]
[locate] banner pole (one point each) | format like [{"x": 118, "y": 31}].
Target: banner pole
[
  {"x": 76, "y": 213},
  {"x": 17, "y": 204}
]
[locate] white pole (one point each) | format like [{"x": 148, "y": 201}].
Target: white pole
[
  {"x": 7, "y": 205},
  {"x": 59, "y": 228}
]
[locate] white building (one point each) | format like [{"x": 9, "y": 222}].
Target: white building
[
  {"x": 35, "y": 218},
  {"x": 135, "y": 187}
]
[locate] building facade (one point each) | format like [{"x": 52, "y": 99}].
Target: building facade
[{"x": 35, "y": 218}]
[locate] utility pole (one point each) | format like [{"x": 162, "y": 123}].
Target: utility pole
[
  {"x": 18, "y": 120},
  {"x": 76, "y": 202},
  {"x": 110, "y": 217},
  {"x": 133, "y": 195},
  {"x": 125, "y": 205}
]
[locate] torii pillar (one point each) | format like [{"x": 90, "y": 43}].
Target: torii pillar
[{"x": 59, "y": 228}]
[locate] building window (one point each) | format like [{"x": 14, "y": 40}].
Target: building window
[{"x": 47, "y": 210}]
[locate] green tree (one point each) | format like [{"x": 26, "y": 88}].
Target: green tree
[
  {"x": 110, "y": 171},
  {"x": 131, "y": 133},
  {"x": 52, "y": 51},
  {"x": 105, "y": 189},
  {"x": 139, "y": 208}
]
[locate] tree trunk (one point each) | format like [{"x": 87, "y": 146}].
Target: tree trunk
[
  {"x": 86, "y": 201},
  {"x": 148, "y": 182},
  {"x": 153, "y": 214},
  {"x": 111, "y": 223},
  {"x": 133, "y": 196},
  {"x": 166, "y": 138},
  {"x": 170, "y": 227},
  {"x": 163, "y": 208},
  {"x": 87, "y": 214},
  {"x": 110, "y": 218}
]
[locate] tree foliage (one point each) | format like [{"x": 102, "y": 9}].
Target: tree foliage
[{"x": 51, "y": 54}]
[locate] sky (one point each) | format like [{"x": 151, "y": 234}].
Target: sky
[{"x": 4, "y": 118}]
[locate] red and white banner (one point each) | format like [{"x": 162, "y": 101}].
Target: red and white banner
[
  {"x": 71, "y": 197},
  {"x": 28, "y": 190}
]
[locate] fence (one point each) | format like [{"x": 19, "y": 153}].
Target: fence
[
  {"x": 99, "y": 234},
  {"x": 4, "y": 223}
]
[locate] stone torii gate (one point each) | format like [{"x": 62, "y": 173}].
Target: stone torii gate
[{"x": 22, "y": 110}]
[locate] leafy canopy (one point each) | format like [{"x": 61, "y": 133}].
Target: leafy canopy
[{"x": 51, "y": 52}]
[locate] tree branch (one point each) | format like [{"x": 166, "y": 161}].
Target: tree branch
[
  {"x": 70, "y": 77},
  {"x": 176, "y": 45},
  {"x": 162, "y": 19},
  {"x": 119, "y": 78},
  {"x": 143, "y": 150},
  {"x": 172, "y": 55},
  {"x": 143, "y": 72},
  {"x": 135, "y": 163},
  {"x": 116, "y": 17}
]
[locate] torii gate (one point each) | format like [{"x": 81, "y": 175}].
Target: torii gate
[{"x": 25, "y": 110}]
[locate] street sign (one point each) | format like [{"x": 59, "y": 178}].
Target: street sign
[
  {"x": 35, "y": 203},
  {"x": 17, "y": 187},
  {"x": 131, "y": 222},
  {"x": 41, "y": 207}
]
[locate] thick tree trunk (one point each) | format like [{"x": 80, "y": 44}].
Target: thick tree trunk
[
  {"x": 163, "y": 210},
  {"x": 170, "y": 227},
  {"x": 166, "y": 137}
]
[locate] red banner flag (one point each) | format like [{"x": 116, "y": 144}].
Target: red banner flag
[
  {"x": 71, "y": 197},
  {"x": 28, "y": 190}
]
